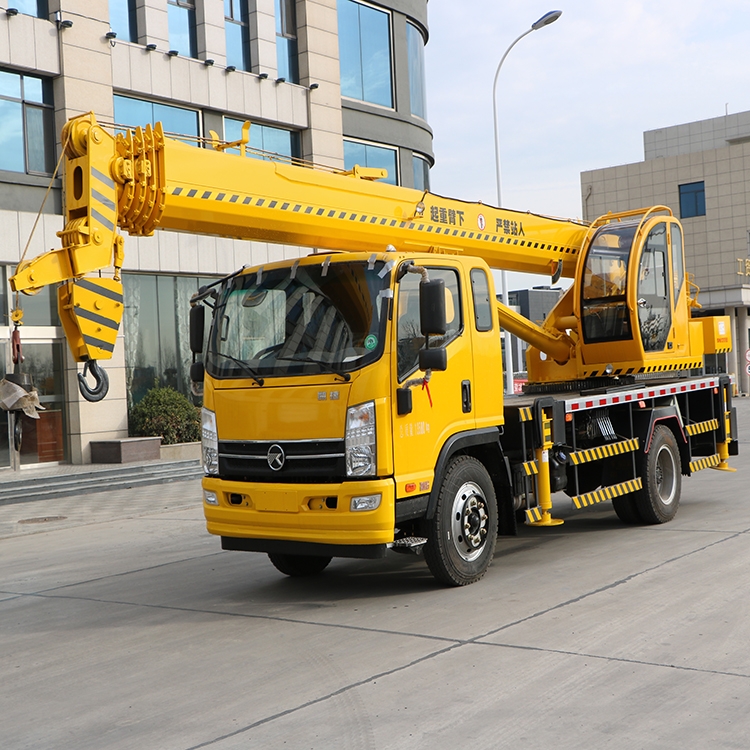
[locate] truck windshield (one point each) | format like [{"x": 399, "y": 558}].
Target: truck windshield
[
  {"x": 302, "y": 320},
  {"x": 604, "y": 303}
]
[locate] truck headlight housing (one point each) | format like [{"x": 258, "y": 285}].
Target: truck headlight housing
[
  {"x": 209, "y": 442},
  {"x": 361, "y": 450}
]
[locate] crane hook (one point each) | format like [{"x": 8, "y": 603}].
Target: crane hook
[{"x": 101, "y": 387}]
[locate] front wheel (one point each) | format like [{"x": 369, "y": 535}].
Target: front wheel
[
  {"x": 463, "y": 532},
  {"x": 299, "y": 565},
  {"x": 660, "y": 470}
]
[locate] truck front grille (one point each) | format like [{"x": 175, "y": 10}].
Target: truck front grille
[{"x": 282, "y": 460}]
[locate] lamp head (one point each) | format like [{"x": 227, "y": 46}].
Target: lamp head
[
  {"x": 546, "y": 19},
  {"x": 11, "y": 12}
]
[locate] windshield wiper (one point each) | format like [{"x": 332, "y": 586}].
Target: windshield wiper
[
  {"x": 244, "y": 365},
  {"x": 345, "y": 376}
]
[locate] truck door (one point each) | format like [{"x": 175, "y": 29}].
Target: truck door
[
  {"x": 443, "y": 406},
  {"x": 654, "y": 291}
]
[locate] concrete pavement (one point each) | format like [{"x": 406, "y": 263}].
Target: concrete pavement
[{"x": 123, "y": 625}]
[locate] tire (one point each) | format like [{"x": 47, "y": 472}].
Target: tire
[
  {"x": 626, "y": 509},
  {"x": 462, "y": 534},
  {"x": 299, "y": 565},
  {"x": 660, "y": 471}
]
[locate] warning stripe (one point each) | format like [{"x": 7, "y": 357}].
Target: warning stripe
[
  {"x": 525, "y": 414},
  {"x": 705, "y": 463},
  {"x": 420, "y": 226},
  {"x": 604, "y": 451},
  {"x": 698, "y": 427},
  {"x": 530, "y": 467},
  {"x": 604, "y": 494},
  {"x": 533, "y": 515}
]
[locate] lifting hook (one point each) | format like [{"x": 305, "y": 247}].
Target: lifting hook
[{"x": 100, "y": 389}]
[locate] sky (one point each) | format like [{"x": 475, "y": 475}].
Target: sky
[{"x": 575, "y": 95}]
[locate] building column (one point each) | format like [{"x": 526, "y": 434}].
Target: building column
[{"x": 741, "y": 346}]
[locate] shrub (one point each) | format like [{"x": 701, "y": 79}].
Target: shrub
[{"x": 165, "y": 412}]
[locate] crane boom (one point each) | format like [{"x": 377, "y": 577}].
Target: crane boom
[{"x": 144, "y": 180}]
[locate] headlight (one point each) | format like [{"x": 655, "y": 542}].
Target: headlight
[
  {"x": 361, "y": 452},
  {"x": 209, "y": 442}
]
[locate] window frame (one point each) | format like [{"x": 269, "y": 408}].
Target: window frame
[
  {"x": 189, "y": 7},
  {"x": 153, "y": 102},
  {"x": 412, "y": 28},
  {"x": 130, "y": 6},
  {"x": 239, "y": 16},
  {"x": 252, "y": 152},
  {"x": 381, "y": 146},
  {"x": 285, "y": 13},
  {"x": 692, "y": 201},
  {"x": 391, "y": 57},
  {"x": 46, "y": 106}
]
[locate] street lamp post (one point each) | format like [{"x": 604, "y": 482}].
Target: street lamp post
[{"x": 545, "y": 20}]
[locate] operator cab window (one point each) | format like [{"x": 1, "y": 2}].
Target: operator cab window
[
  {"x": 410, "y": 338},
  {"x": 654, "y": 309},
  {"x": 604, "y": 303}
]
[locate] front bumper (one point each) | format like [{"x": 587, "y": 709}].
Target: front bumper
[{"x": 314, "y": 514}]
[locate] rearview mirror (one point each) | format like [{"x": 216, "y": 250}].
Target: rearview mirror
[
  {"x": 432, "y": 315},
  {"x": 433, "y": 359},
  {"x": 197, "y": 328}
]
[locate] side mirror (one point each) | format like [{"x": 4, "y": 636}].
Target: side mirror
[
  {"x": 432, "y": 314},
  {"x": 197, "y": 328},
  {"x": 433, "y": 359}
]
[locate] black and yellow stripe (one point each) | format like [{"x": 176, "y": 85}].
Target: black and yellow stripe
[
  {"x": 698, "y": 427},
  {"x": 533, "y": 515},
  {"x": 530, "y": 468},
  {"x": 603, "y": 451},
  {"x": 604, "y": 494},
  {"x": 90, "y": 311},
  {"x": 525, "y": 414},
  {"x": 705, "y": 463}
]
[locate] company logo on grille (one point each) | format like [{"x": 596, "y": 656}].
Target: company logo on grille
[{"x": 275, "y": 457}]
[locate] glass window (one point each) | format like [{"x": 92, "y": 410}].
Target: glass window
[
  {"x": 365, "y": 53},
  {"x": 131, "y": 113},
  {"x": 605, "y": 310},
  {"x": 408, "y": 328},
  {"x": 263, "y": 138},
  {"x": 692, "y": 200},
  {"x": 122, "y": 19},
  {"x": 181, "y": 17},
  {"x": 417, "y": 91},
  {"x": 26, "y": 124},
  {"x": 36, "y": 8},
  {"x": 678, "y": 260},
  {"x": 654, "y": 310},
  {"x": 317, "y": 319},
  {"x": 237, "y": 33},
  {"x": 480, "y": 290},
  {"x": 286, "y": 40},
  {"x": 421, "y": 172},
  {"x": 369, "y": 155},
  {"x": 155, "y": 324}
]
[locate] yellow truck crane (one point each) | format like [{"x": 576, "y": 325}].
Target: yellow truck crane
[{"x": 352, "y": 399}]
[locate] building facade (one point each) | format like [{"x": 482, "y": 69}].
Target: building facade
[
  {"x": 701, "y": 171},
  {"x": 335, "y": 83}
]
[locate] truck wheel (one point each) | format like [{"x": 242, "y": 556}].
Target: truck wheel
[
  {"x": 299, "y": 565},
  {"x": 626, "y": 509},
  {"x": 657, "y": 501},
  {"x": 462, "y": 534}
]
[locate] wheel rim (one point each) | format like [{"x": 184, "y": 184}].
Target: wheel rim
[
  {"x": 666, "y": 475},
  {"x": 469, "y": 521}
]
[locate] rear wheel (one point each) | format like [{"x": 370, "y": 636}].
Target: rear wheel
[
  {"x": 626, "y": 509},
  {"x": 463, "y": 532},
  {"x": 660, "y": 470},
  {"x": 299, "y": 565}
]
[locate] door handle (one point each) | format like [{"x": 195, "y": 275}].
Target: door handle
[{"x": 466, "y": 396}]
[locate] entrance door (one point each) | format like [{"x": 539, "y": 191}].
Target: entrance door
[{"x": 44, "y": 438}]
